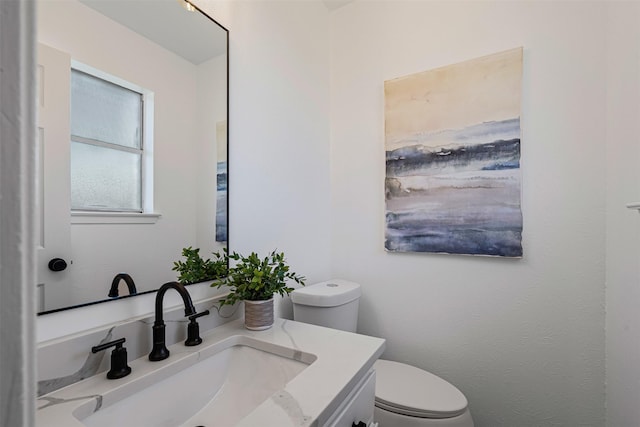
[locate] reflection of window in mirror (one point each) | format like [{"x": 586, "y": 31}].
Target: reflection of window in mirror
[{"x": 111, "y": 142}]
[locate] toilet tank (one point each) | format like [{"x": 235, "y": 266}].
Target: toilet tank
[{"x": 333, "y": 304}]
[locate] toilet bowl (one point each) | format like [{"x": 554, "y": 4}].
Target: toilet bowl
[{"x": 406, "y": 396}]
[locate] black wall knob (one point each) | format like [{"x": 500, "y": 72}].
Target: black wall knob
[{"x": 57, "y": 264}]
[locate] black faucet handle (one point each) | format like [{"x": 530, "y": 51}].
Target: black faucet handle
[
  {"x": 119, "y": 366},
  {"x": 193, "y": 330},
  {"x": 195, "y": 316}
]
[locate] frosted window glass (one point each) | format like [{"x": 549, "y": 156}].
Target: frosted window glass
[
  {"x": 104, "y": 111},
  {"x": 105, "y": 179}
]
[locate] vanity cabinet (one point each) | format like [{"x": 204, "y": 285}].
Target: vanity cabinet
[{"x": 358, "y": 406}]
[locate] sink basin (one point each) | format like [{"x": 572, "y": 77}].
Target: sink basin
[{"x": 227, "y": 382}]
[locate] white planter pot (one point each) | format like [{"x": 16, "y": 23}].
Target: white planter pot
[{"x": 258, "y": 315}]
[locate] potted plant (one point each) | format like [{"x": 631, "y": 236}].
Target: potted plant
[
  {"x": 255, "y": 280},
  {"x": 196, "y": 269}
]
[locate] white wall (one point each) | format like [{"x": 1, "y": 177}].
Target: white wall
[
  {"x": 523, "y": 339},
  {"x": 623, "y": 225},
  {"x": 279, "y": 131}
]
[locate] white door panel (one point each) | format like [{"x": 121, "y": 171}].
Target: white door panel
[{"x": 54, "y": 68}]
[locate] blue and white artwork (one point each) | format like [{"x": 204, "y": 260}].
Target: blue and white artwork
[
  {"x": 221, "y": 203},
  {"x": 221, "y": 182},
  {"x": 452, "y": 140}
]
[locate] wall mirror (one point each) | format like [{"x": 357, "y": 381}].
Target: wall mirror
[{"x": 132, "y": 145}]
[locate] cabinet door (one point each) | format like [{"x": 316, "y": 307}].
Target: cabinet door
[{"x": 358, "y": 407}]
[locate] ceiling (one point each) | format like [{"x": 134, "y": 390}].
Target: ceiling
[
  {"x": 188, "y": 34},
  {"x": 166, "y": 23}
]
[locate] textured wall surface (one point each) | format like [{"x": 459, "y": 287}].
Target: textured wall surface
[
  {"x": 523, "y": 339},
  {"x": 623, "y": 225}
]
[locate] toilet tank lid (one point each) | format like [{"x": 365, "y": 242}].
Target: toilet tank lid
[{"x": 331, "y": 293}]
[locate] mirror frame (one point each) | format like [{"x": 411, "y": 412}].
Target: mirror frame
[{"x": 119, "y": 298}]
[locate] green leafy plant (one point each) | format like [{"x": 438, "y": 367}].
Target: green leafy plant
[
  {"x": 196, "y": 269},
  {"x": 257, "y": 279}
]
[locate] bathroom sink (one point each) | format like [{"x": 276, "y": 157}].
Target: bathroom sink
[
  {"x": 225, "y": 384},
  {"x": 292, "y": 375}
]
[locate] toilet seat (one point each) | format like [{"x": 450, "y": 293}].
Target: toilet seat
[{"x": 410, "y": 391}]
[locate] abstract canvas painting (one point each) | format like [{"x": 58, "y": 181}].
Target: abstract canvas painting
[
  {"x": 452, "y": 141},
  {"x": 221, "y": 184}
]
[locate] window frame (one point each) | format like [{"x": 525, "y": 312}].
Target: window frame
[{"x": 147, "y": 215}]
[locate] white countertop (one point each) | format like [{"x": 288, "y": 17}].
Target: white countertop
[{"x": 341, "y": 360}]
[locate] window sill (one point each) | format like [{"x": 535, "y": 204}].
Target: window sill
[{"x": 114, "y": 218}]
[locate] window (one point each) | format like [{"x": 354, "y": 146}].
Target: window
[{"x": 108, "y": 144}]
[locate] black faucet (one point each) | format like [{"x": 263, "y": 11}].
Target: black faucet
[
  {"x": 113, "y": 292},
  {"x": 160, "y": 351},
  {"x": 119, "y": 366}
]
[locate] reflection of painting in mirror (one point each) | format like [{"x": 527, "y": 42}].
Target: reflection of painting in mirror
[
  {"x": 188, "y": 96},
  {"x": 221, "y": 187},
  {"x": 453, "y": 158}
]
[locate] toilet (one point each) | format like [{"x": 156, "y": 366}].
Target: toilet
[{"x": 406, "y": 396}]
